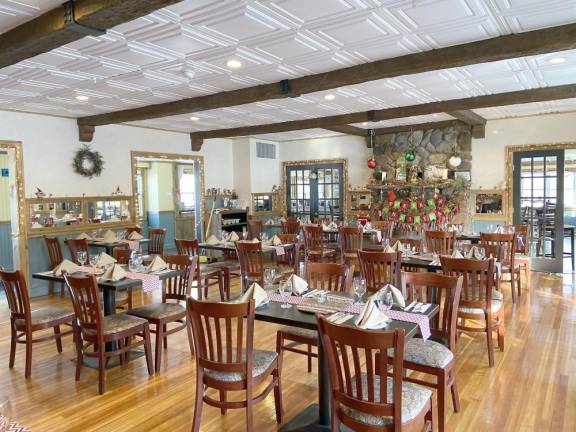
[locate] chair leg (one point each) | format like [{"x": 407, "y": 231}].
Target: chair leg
[
  {"x": 441, "y": 396},
  {"x": 198, "y": 403},
  {"x": 223, "y": 399},
  {"x": 518, "y": 283},
  {"x": 165, "y": 329},
  {"x": 159, "y": 340},
  {"x": 101, "y": 370},
  {"x": 129, "y": 299},
  {"x": 28, "y": 370},
  {"x": 58, "y": 338},
  {"x": 12, "y": 346},
  {"x": 190, "y": 337},
  {"x": 122, "y": 356},
  {"x": 454, "y": 391},
  {"x": 62, "y": 290},
  {"x": 500, "y": 331},
  {"x": 513, "y": 286},
  {"x": 221, "y": 287},
  {"x": 148, "y": 350},
  {"x": 278, "y": 392},
  {"x": 249, "y": 410},
  {"x": 51, "y": 288},
  {"x": 78, "y": 344},
  {"x": 489, "y": 341},
  {"x": 309, "y": 357}
]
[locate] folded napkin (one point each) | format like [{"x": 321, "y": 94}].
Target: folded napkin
[
  {"x": 282, "y": 219},
  {"x": 333, "y": 226},
  {"x": 110, "y": 237},
  {"x": 65, "y": 266},
  {"x": 104, "y": 260},
  {"x": 135, "y": 235},
  {"x": 299, "y": 285},
  {"x": 397, "y": 296},
  {"x": 254, "y": 240},
  {"x": 84, "y": 236},
  {"x": 37, "y": 225},
  {"x": 276, "y": 241},
  {"x": 398, "y": 247},
  {"x": 233, "y": 237},
  {"x": 456, "y": 254},
  {"x": 114, "y": 273},
  {"x": 212, "y": 240},
  {"x": 269, "y": 222},
  {"x": 157, "y": 264},
  {"x": 325, "y": 227},
  {"x": 255, "y": 292},
  {"x": 371, "y": 317},
  {"x": 389, "y": 249},
  {"x": 473, "y": 253},
  {"x": 368, "y": 227},
  {"x": 436, "y": 260}
]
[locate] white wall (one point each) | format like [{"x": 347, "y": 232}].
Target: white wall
[
  {"x": 242, "y": 169},
  {"x": 50, "y": 143},
  {"x": 265, "y": 173}
]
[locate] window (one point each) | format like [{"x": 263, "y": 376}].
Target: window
[{"x": 186, "y": 187}]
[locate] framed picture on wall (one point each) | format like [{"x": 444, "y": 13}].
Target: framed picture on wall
[{"x": 466, "y": 175}]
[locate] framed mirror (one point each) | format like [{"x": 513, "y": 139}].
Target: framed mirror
[{"x": 488, "y": 203}]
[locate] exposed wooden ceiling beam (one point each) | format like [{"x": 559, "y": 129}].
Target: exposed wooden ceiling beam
[
  {"x": 68, "y": 23},
  {"x": 505, "y": 47},
  {"x": 349, "y": 130},
  {"x": 477, "y": 122},
  {"x": 500, "y": 99},
  {"x": 418, "y": 126}
]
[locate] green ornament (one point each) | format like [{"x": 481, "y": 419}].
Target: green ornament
[
  {"x": 397, "y": 204},
  {"x": 432, "y": 216},
  {"x": 402, "y": 217},
  {"x": 417, "y": 220},
  {"x": 413, "y": 206},
  {"x": 410, "y": 156},
  {"x": 431, "y": 203}
]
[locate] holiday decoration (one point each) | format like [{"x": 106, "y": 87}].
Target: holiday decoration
[
  {"x": 410, "y": 156},
  {"x": 455, "y": 161},
  {"x": 88, "y": 163},
  {"x": 371, "y": 163}
]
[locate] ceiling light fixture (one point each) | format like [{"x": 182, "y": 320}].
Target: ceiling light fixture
[
  {"x": 82, "y": 98},
  {"x": 329, "y": 97},
  {"x": 234, "y": 64},
  {"x": 365, "y": 124},
  {"x": 557, "y": 60},
  {"x": 193, "y": 118}
]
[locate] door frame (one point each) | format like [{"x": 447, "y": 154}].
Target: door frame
[
  {"x": 344, "y": 192},
  {"x": 21, "y": 199}
]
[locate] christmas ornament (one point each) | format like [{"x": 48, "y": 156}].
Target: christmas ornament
[
  {"x": 371, "y": 163},
  {"x": 455, "y": 161},
  {"x": 410, "y": 156},
  {"x": 391, "y": 196},
  {"x": 409, "y": 219}
]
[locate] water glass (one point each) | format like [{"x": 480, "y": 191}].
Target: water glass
[
  {"x": 359, "y": 285},
  {"x": 132, "y": 265},
  {"x": 269, "y": 276},
  {"x": 264, "y": 237},
  {"x": 286, "y": 291},
  {"x": 482, "y": 253},
  {"x": 81, "y": 257},
  {"x": 93, "y": 259},
  {"x": 388, "y": 299}
]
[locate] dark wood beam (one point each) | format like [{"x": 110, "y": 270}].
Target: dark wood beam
[
  {"x": 477, "y": 122},
  {"x": 196, "y": 143},
  {"x": 86, "y": 133},
  {"x": 500, "y": 99},
  {"x": 68, "y": 23},
  {"x": 505, "y": 47},
  {"x": 418, "y": 126},
  {"x": 348, "y": 130}
]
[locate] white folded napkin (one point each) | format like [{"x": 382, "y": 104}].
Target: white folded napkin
[
  {"x": 84, "y": 236},
  {"x": 135, "y": 235},
  {"x": 104, "y": 260},
  {"x": 67, "y": 266},
  {"x": 472, "y": 253},
  {"x": 212, "y": 240},
  {"x": 254, "y": 240},
  {"x": 233, "y": 237},
  {"x": 333, "y": 226},
  {"x": 397, "y": 296},
  {"x": 371, "y": 317},
  {"x": 114, "y": 273},
  {"x": 269, "y": 222},
  {"x": 299, "y": 285},
  {"x": 389, "y": 249},
  {"x": 398, "y": 247},
  {"x": 157, "y": 264},
  {"x": 110, "y": 237},
  {"x": 435, "y": 260},
  {"x": 456, "y": 254},
  {"x": 276, "y": 241},
  {"x": 255, "y": 292},
  {"x": 37, "y": 225},
  {"x": 325, "y": 227},
  {"x": 282, "y": 219}
]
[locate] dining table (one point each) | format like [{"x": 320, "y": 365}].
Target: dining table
[
  {"x": 109, "y": 246},
  {"x": 316, "y": 417}
]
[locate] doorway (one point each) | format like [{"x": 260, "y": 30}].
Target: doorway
[{"x": 315, "y": 190}]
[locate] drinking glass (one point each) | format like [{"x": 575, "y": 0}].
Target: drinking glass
[
  {"x": 93, "y": 259},
  {"x": 285, "y": 291},
  {"x": 482, "y": 253},
  {"x": 385, "y": 242},
  {"x": 359, "y": 287},
  {"x": 264, "y": 237},
  {"x": 269, "y": 276},
  {"x": 81, "y": 257},
  {"x": 388, "y": 299},
  {"x": 132, "y": 265},
  {"x": 5, "y": 414}
]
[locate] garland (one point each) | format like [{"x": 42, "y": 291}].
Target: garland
[{"x": 88, "y": 163}]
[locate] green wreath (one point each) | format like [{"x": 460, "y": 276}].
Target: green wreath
[{"x": 88, "y": 163}]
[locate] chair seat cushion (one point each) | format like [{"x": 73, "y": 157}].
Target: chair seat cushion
[
  {"x": 158, "y": 310},
  {"x": 427, "y": 353},
  {"x": 496, "y": 306},
  {"x": 118, "y": 323},
  {"x": 261, "y": 360},
  {"x": 46, "y": 315},
  {"x": 414, "y": 399},
  {"x": 323, "y": 252},
  {"x": 310, "y": 334}
]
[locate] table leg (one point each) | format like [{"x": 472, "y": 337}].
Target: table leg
[{"x": 109, "y": 297}]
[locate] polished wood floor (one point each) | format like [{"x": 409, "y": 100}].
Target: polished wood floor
[{"x": 532, "y": 386}]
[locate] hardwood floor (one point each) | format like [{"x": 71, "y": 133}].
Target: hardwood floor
[{"x": 531, "y": 387}]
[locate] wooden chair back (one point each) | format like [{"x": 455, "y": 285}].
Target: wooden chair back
[
  {"x": 178, "y": 287},
  {"x": 506, "y": 241},
  {"x": 291, "y": 258},
  {"x": 122, "y": 255},
  {"x": 157, "y": 237},
  {"x": 54, "y": 250},
  {"x": 359, "y": 367},
  {"x": 329, "y": 276},
  {"x": 351, "y": 239},
  {"x": 477, "y": 280},
  {"x": 254, "y": 229},
  {"x": 440, "y": 242},
  {"x": 522, "y": 239},
  {"x": 86, "y": 301},
  {"x": 435, "y": 288},
  {"x": 288, "y": 238},
  {"x": 251, "y": 262},
  {"x": 17, "y": 295},
  {"x": 77, "y": 245},
  {"x": 222, "y": 331},
  {"x": 291, "y": 226},
  {"x": 380, "y": 268},
  {"x": 187, "y": 247}
]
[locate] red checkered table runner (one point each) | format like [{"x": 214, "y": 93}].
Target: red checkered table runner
[
  {"x": 13, "y": 426},
  {"x": 150, "y": 282}
]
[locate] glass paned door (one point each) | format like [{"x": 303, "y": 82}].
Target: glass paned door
[
  {"x": 315, "y": 191},
  {"x": 538, "y": 202}
]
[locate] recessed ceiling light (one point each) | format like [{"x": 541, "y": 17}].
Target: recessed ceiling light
[
  {"x": 82, "y": 98},
  {"x": 234, "y": 64},
  {"x": 495, "y": 131},
  {"x": 557, "y": 60},
  {"x": 365, "y": 124},
  {"x": 329, "y": 97},
  {"x": 194, "y": 118}
]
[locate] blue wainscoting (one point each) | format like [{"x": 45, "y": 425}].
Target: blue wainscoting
[
  {"x": 164, "y": 219},
  {"x": 479, "y": 226},
  {"x": 6, "y": 258}
]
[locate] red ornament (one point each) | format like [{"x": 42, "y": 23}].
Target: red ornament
[
  {"x": 371, "y": 163},
  {"x": 420, "y": 204},
  {"x": 393, "y": 214},
  {"x": 409, "y": 219},
  {"x": 391, "y": 196},
  {"x": 424, "y": 217},
  {"x": 440, "y": 200},
  {"x": 456, "y": 209},
  {"x": 404, "y": 205},
  {"x": 391, "y": 204}
]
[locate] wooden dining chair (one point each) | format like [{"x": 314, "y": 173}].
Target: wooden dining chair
[
  {"x": 254, "y": 229},
  {"x": 325, "y": 276},
  {"x": 227, "y": 361},
  {"x": 508, "y": 244},
  {"x": 476, "y": 301},
  {"x": 437, "y": 355},
  {"x": 314, "y": 249},
  {"x": 24, "y": 322},
  {"x": 94, "y": 330},
  {"x": 291, "y": 257},
  {"x": 522, "y": 257},
  {"x": 123, "y": 297},
  {"x": 205, "y": 275},
  {"x": 380, "y": 268},
  {"x": 440, "y": 242},
  {"x": 251, "y": 263},
  {"x": 351, "y": 240},
  {"x": 156, "y": 244},
  {"x": 77, "y": 245},
  {"x": 291, "y": 226},
  {"x": 367, "y": 391},
  {"x": 172, "y": 310},
  {"x": 55, "y": 257}
]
